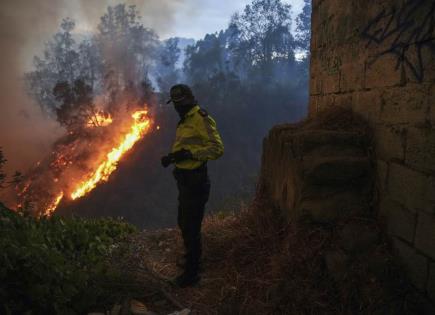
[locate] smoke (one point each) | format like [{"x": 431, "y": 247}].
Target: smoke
[{"x": 26, "y": 134}]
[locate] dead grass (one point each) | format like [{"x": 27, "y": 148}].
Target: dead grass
[{"x": 255, "y": 263}]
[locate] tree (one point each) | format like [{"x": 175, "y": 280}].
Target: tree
[
  {"x": 207, "y": 58},
  {"x": 16, "y": 178},
  {"x": 303, "y": 28},
  {"x": 167, "y": 72},
  {"x": 127, "y": 48},
  {"x": 60, "y": 63},
  {"x": 113, "y": 62},
  {"x": 262, "y": 33},
  {"x": 77, "y": 108}
]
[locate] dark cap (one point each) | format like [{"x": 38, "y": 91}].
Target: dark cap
[{"x": 180, "y": 92}]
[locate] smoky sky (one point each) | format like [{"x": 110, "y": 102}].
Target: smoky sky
[
  {"x": 26, "y": 134},
  {"x": 26, "y": 25}
]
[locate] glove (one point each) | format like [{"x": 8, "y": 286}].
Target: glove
[
  {"x": 181, "y": 155},
  {"x": 167, "y": 160},
  {"x": 176, "y": 157}
]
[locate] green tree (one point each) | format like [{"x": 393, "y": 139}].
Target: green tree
[
  {"x": 303, "y": 27},
  {"x": 77, "y": 108},
  {"x": 207, "y": 58},
  {"x": 16, "y": 178},
  {"x": 60, "y": 63},
  {"x": 262, "y": 33},
  {"x": 167, "y": 72}
]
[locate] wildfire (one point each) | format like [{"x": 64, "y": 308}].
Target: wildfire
[
  {"x": 105, "y": 168},
  {"x": 60, "y": 176},
  {"x": 100, "y": 119},
  {"x": 53, "y": 205}
]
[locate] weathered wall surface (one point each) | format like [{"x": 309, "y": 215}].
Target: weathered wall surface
[{"x": 378, "y": 57}]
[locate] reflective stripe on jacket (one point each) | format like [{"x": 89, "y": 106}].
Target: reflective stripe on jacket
[{"x": 197, "y": 133}]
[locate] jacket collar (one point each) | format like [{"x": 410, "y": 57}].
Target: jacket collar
[{"x": 192, "y": 111}]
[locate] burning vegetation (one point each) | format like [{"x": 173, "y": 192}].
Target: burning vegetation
[
  {"x": 98, "y": 91},
  {"x": 81, "y": 161}
]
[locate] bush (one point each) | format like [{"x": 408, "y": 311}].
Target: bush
[{"x": 54, "y": 265}]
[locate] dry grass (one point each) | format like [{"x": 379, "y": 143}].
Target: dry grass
[{"x": 254, "y": 263}]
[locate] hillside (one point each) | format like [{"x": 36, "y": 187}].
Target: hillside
[{"x": 327, "y": 254}]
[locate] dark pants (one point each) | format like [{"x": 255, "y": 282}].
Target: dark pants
[{"x": 193, "y": 192}]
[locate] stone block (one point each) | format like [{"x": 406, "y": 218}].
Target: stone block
[
  {"x": 313, "y": 142},
  {"x": 343, "y": 100},
  {"x": 382, "y": 72},
  {"x": 312, "y": 105},
  {"x": 405, "y": 105},
  {"x": 431, "y": 282},
  {"x": 416, "y": 264},
  {"x": 430, "y": 194},
  {"x": 425, "y": 234},
  {"x": 407, "y": 187},
  {"x": 331, "y": 83},
  {"x": 315, "y": 83},
  {"x": 421, "y": 63},
  {"x": 382, "y": 172},
  {"x": 431, "y": 100},
  {"x": 368, "y": 104},
  {"x": 400, "y": 222},
  {"x": 420, "y": 148},
  {"x": 335, "y": 170},
  {"x": 352, "y": 76},
  {"x": 390, "y": 142}
]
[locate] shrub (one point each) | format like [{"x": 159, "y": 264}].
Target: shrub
[{"x": 54, "y": 265}]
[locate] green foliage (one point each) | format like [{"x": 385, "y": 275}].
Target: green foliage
[
  {"x": 54, "y": 265},
  {"x": 113, "y": 62}
]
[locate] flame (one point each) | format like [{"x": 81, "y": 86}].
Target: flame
[
  {"x": 53, "y": 205},
  {"x": 100, "y": 119},
  {"x": 139, "y": 128}
]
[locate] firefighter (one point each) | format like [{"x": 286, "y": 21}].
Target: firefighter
[{"x": 197, "y": 141}]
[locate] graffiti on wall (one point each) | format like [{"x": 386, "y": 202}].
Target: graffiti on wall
[{"x": 406, "y": 31}]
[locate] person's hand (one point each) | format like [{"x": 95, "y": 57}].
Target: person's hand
[
  {"x": 181, "y": 155},
  {"x": 167, "y": 160}
]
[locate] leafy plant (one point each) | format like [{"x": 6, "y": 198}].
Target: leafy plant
[{"x": 54, "y": 265}]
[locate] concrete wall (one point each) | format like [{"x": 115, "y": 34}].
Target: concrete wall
[{"x": 378, "y": 56}]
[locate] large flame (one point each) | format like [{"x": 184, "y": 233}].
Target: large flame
[
  {"x": 140, "y": 126},
  {"x": 100, "y": 119},
  {"x": 138, "y": 129},
  {"x": 54, "y": 204}
]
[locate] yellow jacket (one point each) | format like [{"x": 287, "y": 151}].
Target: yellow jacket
[{"x": 197, "y": 133}]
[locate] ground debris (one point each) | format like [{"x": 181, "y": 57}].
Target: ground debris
[{"x": 256, "y": 263}]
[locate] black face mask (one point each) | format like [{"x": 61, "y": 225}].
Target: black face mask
[{"x": 183, "y": 107}]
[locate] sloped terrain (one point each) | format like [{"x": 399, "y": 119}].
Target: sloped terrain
[
  {"x": 311, "y": 243},
  {"x": 254, "y": 263}
]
